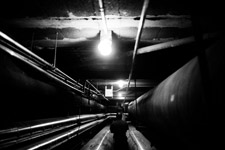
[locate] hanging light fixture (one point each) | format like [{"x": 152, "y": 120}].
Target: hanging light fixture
[{"x": 105, "y": 44}]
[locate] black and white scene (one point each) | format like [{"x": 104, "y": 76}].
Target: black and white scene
[{"x": 112, "y": 75}]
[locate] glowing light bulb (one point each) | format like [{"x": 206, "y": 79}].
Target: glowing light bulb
[
  {"x": 105, "y": 47},
  {"x": 120, "y": 83}
]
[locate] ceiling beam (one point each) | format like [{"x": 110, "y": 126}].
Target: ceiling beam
[{"x": 94, "y": 22}]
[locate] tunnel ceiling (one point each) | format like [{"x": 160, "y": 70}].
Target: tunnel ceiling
[{"x": 78, "y": 23}]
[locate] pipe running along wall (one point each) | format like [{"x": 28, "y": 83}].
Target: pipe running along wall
[
  {"x": 59, "y": 129},
  {"x": 28, "y": 92},
  {"x": 39, "y": 101},
  {"x": 179, "y": 110}
]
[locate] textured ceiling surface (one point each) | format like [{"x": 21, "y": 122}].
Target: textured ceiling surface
[{"x": 76, "y": 26}]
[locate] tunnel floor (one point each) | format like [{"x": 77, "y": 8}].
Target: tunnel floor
[{"x": 103, "y": 140}]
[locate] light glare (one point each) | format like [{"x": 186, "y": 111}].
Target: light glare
[
  {"x": 105, "y": 47},
  {"x": 120, "y": 96},
  {"x": 120, "y": 83}
]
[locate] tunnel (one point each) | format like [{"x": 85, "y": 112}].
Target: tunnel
[
  {"x": 159, "y": 87},
  {"x": 47, "y": 109}
]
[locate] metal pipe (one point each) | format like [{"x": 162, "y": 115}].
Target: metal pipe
[
  {"x": 96, "y": 89},
  {"x": 73, "y": 81},
  {"x": 37, "y": 67},
  {"x": 25, "y": 50},
  {"x": 141, "y": 142},
  {"x": 141, "y": 23},
  {"x": 22, "y": 53},
  {"x": 105, "y": 27},
  {"x": 64, "y": 136},
  {"x": 52, "y": 123},
  {"x": 165, "y": 45},
  {"x": 136, "y": 140},
  {"x": 68, "y": 77},
  {"x": 174, "y": 43},
  {"x": 180, "y": 104},
  {"x": 56, "y": 40},
  {"x": 40, "y": 130},
  {"x": 30, "y": 58},
  {"x": 11, "y": 141}
]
